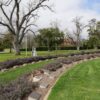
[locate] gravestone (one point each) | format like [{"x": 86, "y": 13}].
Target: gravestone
[{"x": 34, "y": 96}]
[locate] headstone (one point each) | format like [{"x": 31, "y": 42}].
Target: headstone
[
  {"x": 44, "y": 85},
  {"x": 37, "y": 78},
  {"x": 34, "y": 96}
]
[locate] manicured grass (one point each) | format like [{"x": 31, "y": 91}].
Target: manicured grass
[
  {"x": 80, "y": 83},
  {"x": 13, "y": 74},
  {"x": 8, "y": 56}
]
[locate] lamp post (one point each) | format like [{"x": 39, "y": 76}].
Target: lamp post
[{"x": 26, "y": 44}]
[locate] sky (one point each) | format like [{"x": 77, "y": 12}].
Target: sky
[{"x": 66, "y": 10}]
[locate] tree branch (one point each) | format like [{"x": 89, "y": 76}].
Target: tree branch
[
  {"x": 30, "y": 12},
  {"x": 6, "y": 25},
  {"x": 1, "y": 6}
]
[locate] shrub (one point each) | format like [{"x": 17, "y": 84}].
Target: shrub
[
  {"x": 53, "y": 66},
  {"x": 65, "y": 61},
  {"x": 16, "y": 90},
  {"x": 12, "y": 63}
]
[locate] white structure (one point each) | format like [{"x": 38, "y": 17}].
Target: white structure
[{"x": 34, "y": 53}]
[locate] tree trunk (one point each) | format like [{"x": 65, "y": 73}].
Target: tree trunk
[
  {"x": 16, "y": 46},
  {"x": 78, "y": 43},
  {"x": 10, "y": 51}
]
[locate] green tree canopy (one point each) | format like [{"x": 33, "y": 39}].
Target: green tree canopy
[
  {"x": 94, "y": 33},
  {"x": 50, "y": 37}
]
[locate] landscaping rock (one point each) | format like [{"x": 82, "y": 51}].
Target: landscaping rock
[
  {"x": 52, "y": 76},
  {"x": 15, "y": 67},
  {"x": 24, "y": 64},
  {"x": 37, "y": 78},
  {"x": 3, "y": 70},
  {"x": 46, "y": 72},
  {"x": 34, "y": 96},
  {"x": 33, "y": 62},
  {"x": 44, "y": 85}
]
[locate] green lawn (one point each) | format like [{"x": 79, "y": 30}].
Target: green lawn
[
  {"x": 13, "y": 74},
  {"x": 8, "y": 56},
  {"x": 80, "y": 83}
]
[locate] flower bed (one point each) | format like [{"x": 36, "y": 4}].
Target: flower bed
[{"x": 21, "y": 87}]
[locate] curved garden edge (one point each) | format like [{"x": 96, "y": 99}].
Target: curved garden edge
[
  {"x": 67, "y": 69},
  {"x": 48, "y": 93},
  {"x": 54, "y": 67}
]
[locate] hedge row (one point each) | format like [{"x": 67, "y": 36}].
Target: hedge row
[
  {"x": 75, "y": 58},
  {"x": 11, "y": 63},
  {"x": 59, "y": 48},
  {"x": 1, "y": 49},
  {"x": 69, "y": 60},
  {"x": 53, "y": 66}
]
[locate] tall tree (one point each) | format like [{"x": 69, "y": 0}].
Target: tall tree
[
  {"x": 1, "y": 44},
  {"x": 79, "y": 28},
  {"x": 7, "y": 41},
  {"x": 50, "y": 37},
  {"x": 20, "y": 19},
  {"x": 94, "y": 33}
]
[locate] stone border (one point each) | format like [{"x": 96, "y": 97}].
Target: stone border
[
  {"x": 64, "y": 69},
  {"x": 70, "y": 66}
]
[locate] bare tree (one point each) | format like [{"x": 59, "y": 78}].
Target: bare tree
[
  {"x": 20, "y": 19},
  {"x": 79, "y": 29}
]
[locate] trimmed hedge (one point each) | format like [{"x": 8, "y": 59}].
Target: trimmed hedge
[
  {"x": 53, "y": 66},
  {"x": 1, "y": 49},
  {"x": 44, "y": 48},
  {"x": 11, "y": 63}
]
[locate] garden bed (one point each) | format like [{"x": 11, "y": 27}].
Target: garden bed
[
  {"x": 52, "y": 67},
  {"x": 17, "y": 62}
]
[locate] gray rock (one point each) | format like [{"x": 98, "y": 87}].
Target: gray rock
[
  {"x": 34, "y": 96},
  {"x": 44, "y": 85},
  {"x": 37, "y": 78},
  {"x": 52, "y": 76},
  {"x": 3, "y": 70},
  {"x": 46, "y": 72}
]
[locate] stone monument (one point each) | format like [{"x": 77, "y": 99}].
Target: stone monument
[{"x": 34, "y": 53}]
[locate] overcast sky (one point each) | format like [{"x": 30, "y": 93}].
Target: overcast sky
[{"x": 66, "y": 10}]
